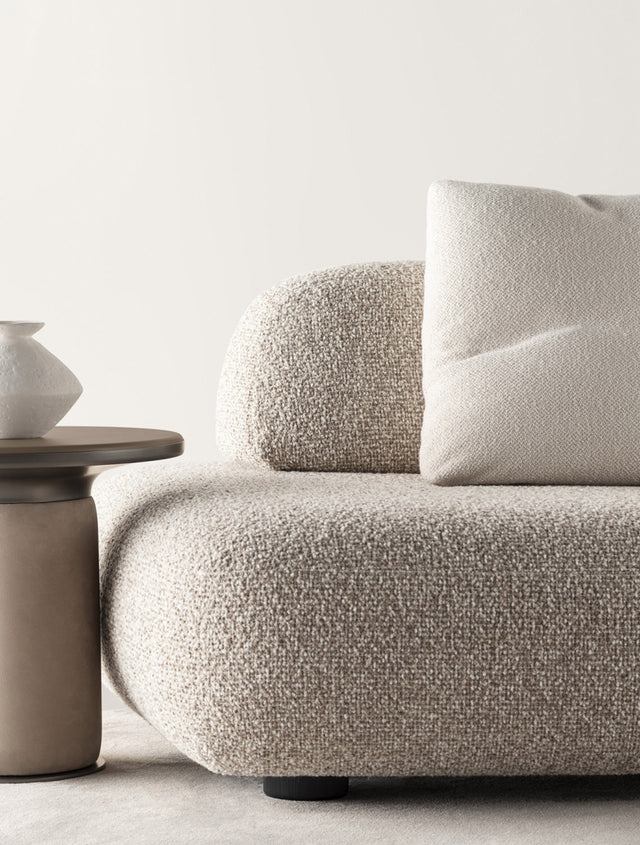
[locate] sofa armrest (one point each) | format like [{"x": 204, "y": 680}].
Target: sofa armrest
[{"x": 324, "y": 373}]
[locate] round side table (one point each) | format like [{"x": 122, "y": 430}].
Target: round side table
[{"x": 50, "y": 701}]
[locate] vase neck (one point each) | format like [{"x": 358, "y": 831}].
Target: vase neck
[{"x": 10, "y": 329}]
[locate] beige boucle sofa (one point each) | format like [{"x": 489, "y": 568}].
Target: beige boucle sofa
[{"x": 345, "y": 617}]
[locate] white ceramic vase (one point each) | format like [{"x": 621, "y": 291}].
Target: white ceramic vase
[{"x": 36, "y": 389}]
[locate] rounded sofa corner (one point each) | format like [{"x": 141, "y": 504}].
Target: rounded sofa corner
[{"x": 323, "y": 372}]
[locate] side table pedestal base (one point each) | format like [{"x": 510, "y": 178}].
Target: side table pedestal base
[
  {"x": 98, "y": 766},
  {"x": 50, "y": 693}
]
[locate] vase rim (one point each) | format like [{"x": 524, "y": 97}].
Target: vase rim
[{"x": 19, "y": 328}]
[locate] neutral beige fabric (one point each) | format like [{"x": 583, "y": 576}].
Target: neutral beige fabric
[
  {"x": 373, "y": 624},
  {"x": 324, "y": 373},
  {"x": 531, "y": 337}
]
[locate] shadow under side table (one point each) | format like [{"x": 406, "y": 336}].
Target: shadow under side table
[{"x": 50, "y": 693}]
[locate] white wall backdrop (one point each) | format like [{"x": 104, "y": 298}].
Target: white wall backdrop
[{"x": 164, "y": 161}]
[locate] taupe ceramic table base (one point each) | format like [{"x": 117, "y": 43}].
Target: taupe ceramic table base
[{"x": 50, "y": 701}]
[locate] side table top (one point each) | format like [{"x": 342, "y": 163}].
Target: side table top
[{"x": 85, "y": 446}]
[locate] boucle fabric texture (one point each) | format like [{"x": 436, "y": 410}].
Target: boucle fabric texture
[
  {"x": 372, "y": 624},
  {"x": 531, "y": 337},
  {"x": 324, "y": 373}
]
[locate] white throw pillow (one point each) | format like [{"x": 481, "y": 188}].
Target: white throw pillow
[{"x": 531, "y": 337}]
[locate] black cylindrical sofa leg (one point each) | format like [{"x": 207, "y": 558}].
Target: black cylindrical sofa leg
[{"x": 305, "y": 788}]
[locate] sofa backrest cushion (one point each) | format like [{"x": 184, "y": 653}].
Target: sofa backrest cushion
[
  {"x": 531, "y": 337},
  {"x": 324, "y": 373}
]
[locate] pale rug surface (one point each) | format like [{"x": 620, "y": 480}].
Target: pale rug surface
[{"x": 150, "y": 793}]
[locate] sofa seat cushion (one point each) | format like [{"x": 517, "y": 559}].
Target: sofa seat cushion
[{"x": 273, "y": 623}]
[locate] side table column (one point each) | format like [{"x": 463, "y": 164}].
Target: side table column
[{"x": 50, "y": 705}]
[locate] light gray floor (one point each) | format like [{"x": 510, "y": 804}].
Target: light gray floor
[
  {"x": 110, "y": 700},
  {"x": 149, "y": 793}
]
